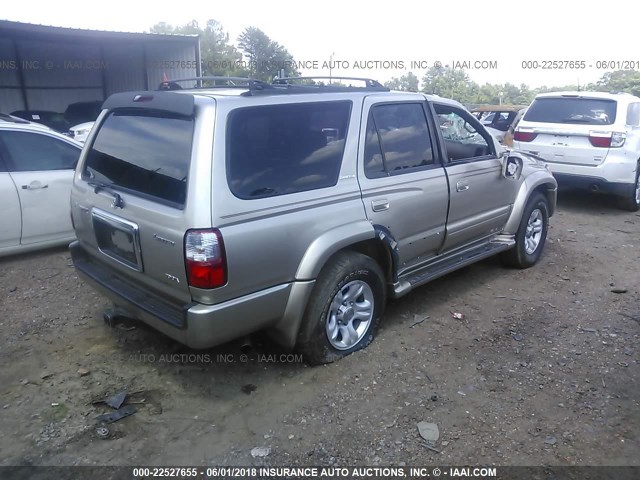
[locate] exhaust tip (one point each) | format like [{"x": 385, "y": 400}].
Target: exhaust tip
[
  {"x": 115, "y": 317},
  {"x": 246, "y": 345}
]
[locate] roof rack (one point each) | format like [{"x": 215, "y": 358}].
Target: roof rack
[
  {"x": 283, "y": 85},
  {"x": 229, "y": 82},
  {"x": 369, "y": 84}
]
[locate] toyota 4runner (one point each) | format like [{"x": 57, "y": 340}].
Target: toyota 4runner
[{"x": 213, "y": 212}]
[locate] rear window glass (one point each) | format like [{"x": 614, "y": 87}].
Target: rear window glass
[
  {"x": 588, "y": 111},
  {"x": 143, "y": 152},
  {"x": 281, "y": 149}
]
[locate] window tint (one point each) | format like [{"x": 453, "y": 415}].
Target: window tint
[
  {"x": 280, "y": 149},
  {"x": 587, "y": 111},
  {"x": 373, "y": 163},
  {"x": 633, "y": 114},
  {"x": 403, "y": 137},
  {"x": 461, "y": 138},
  {"x": 144, "y": 152},
  {"x": 32, "y": 152}
]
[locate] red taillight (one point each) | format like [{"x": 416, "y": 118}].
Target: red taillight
[
  {"x": 520, "y": 136},
  {"x": 600, "y": 139},
  {"x": 205, "y": 258},
  {"x": 607, "y": 139}
]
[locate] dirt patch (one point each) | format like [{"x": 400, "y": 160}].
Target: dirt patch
[{"x": 541, "y": 369}]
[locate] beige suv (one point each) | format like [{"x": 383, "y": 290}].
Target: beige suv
[{"x": 210, "y": 213}]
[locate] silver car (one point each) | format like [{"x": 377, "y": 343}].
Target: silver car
[{"x": 212, "y": 213}]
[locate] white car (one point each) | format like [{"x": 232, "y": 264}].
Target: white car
[
  {"x": 588, "y": 139},
  {"x": 36, "y": 170},
  {"x": 81, "y": 131}
]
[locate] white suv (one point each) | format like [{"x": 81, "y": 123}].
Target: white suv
[{"x": 589, "y": 139}]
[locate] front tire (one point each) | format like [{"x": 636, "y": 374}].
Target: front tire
[
  {"x": 344, "y": 310},
  {"x": 531, "y": 235},
  {"x": 631, "y": 203}
]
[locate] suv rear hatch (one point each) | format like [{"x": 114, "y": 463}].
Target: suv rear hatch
[
  {"x": 130, "y": 200},
  {"x": 568, "y": 129}
]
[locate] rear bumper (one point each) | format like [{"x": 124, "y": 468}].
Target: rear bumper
[
  {"x": 193, "y": 324},
  {"x": 595, "y": 184},
  {"x": 618, "y": 168}
]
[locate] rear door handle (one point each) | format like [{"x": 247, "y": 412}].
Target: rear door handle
[
  {"x": 462, "y": 186},
  {"x": 380, "y": 205},
  {"x": 35, "y": 186}
]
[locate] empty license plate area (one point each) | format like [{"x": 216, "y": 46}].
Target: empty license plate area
[{"x": 118, "y": 239}]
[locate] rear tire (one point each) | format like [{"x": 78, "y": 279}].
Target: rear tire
[
  {"x": 531, "y": 235},
  {"x": 631, "y": 203},
  {"x": 344, "y": 310}
]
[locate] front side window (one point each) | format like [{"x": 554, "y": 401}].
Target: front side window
[
  {"x": 281, "y": 149},
  {"x": 35, "y": 152},
  {"x": 397, "y": 140},
  {"x": 462, "y": 138}
]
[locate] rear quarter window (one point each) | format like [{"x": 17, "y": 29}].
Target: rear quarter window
[
  {"x": 586, "y": 111},
  {"x": 633, "y": 114},
  {"x": 143, "y": 152},
  {"x": 282, "y": 149}
]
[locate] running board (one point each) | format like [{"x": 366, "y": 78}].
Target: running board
[{"x": 449, "y": 264}]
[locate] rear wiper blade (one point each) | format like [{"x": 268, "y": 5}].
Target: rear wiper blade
[
  {"x": 577, "y": 120},
  {"x": 99, "y": 186}
]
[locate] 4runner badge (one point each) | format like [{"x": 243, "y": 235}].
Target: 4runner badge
[{"x": 172, "y": 278}]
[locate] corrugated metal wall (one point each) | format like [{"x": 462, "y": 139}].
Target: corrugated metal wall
[
  {"x": 174, "y": 60},
  {"x": 59, "y": 72},
  {"x": 124, "y": 68},
  {"x": 10, "y": 96}
]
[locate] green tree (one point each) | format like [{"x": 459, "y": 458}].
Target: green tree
[
  {"x": 265, "y": 57},
  {"x": 620, "y": 81},
  {"x": 406, "y": 83},
  {"x": 218, "y": 56},
  {"x": 450, "y": 83},
  {"x": 563, "y": 88}
]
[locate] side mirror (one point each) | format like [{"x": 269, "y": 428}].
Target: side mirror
[{"x": 511, "y": 167}]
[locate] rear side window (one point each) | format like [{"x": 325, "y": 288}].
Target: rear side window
[
  {"x": 34, "y": 152},
  {"x": 281, "y": 149},
  {"x": 144, "y": 152},
  {"x": 633, "y": 114},
  {"x": 587, "y": 111},
  {"x": 397, "y": 140}
]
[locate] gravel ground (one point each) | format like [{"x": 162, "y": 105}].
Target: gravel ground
[{"x": 541, "y": 369}]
